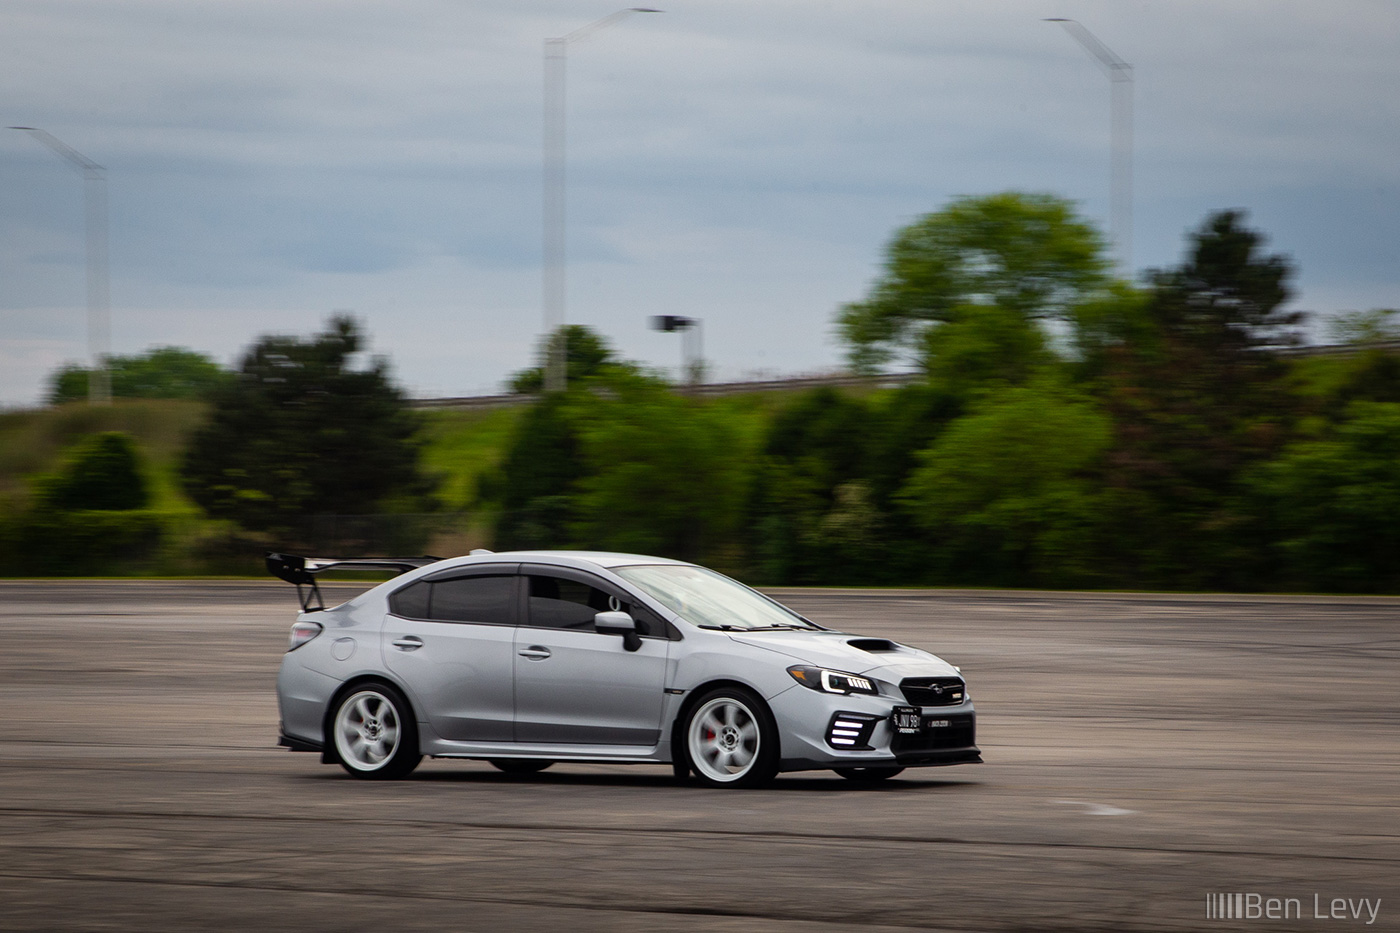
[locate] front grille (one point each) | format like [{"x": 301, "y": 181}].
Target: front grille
[
  {"x": 960, "y": 732},
  {"x": 933, "y": 691},
  {"x": 851, "y": 730}
]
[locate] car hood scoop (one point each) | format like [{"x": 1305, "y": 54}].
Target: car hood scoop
[{"x": 874, "y": 645}]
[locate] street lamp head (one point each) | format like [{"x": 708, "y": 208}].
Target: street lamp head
[
  {"x": 1117, "y": 69},
  {"x": 583, "y": 32},
  {"x": 27, "y": 129},
  {"x": 672, "y": 322}
]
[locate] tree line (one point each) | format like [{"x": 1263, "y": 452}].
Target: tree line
[{"x": 1068, "y": 429}]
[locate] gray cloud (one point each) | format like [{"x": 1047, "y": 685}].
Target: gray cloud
[{"x": 740, "y": 162}]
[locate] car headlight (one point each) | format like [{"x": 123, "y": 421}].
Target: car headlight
[{"x": 825, "y": 681}]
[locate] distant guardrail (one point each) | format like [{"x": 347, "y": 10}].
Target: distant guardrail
[
  {"x": 1340, "y": 349},
  {"x": 846, "y": 380},
  {"x": 792, "y": 384}
]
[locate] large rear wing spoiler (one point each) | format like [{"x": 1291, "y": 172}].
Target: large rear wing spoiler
[{"x": 302, "y": 571}]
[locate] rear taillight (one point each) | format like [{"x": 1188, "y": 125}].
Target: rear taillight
[{"x": 302, "y": 632}]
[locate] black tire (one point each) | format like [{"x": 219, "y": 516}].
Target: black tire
[
  {"x": 372, "y": 734},
  {"x": 519, "y": 765},
  {"x": 730, "y": 739},
  {"x": 680, "y": 761},
  {"x": 867, "y": 774}
]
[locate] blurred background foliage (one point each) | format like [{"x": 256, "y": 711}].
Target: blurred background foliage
[
  {"x": 1064, "y": 429},
  {"x": 162, "y": 372}
]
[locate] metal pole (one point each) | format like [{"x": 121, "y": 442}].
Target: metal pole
[
  {"x": 1121, "y": 201},
  {"x": 555, "y": 285},
  {"x": 1120, "y": 74},
  {"x": 695, "y": 346},
  {"x": 555, "y": 62},
  {"x": 98, "y": 300},
  {"x": 98, "y": 293}
]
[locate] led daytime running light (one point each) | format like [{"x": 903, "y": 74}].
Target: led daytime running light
[{"x": 828, "y": 681}]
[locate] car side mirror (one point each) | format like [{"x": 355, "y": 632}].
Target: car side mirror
[{"x": 619, "y": 623}]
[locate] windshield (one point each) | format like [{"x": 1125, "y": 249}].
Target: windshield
[{"x": 710, "y": 600}]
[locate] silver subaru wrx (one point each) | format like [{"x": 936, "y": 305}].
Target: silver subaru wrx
[{"x": 531, "y": 657}]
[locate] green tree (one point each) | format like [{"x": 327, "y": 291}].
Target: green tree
[
  {"x": 534, "y": 489},
  {"x": 104, "y": 473},
  {"x": 663, "y": 474},
  {"x": 161, "y": 372},
  {"x": 985, "y": 346},
  {"x": 1105, "y": 325},
  {"x": 1008, "y": 492},
  {"x": 1333, "y": 505},
  {"x": 1197, "y": 398},
  {"x": 1027, "y": 254},
  {"x": 585, "y": 355},
  {"x": 301, "y": 433},
  {"x": 808, "y": 497}
]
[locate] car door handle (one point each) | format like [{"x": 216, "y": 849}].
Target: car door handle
[
  {"x": 408, "y": 643},
  {"x": 535, "y": 653}
]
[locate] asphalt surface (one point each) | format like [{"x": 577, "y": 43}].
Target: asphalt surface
[{"x": 1142, "y": 753}]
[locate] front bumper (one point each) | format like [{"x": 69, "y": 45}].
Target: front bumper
[{"x": 820, "y": 731}]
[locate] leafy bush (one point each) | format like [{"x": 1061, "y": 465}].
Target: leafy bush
[
  {"x": 103, "y": 473},
  {"x": 45, "y": 542}
]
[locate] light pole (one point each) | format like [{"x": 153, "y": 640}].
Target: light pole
[
  {"x": 692, "y": 348},
  {"x": 556, "y": 52},
  {"x": 99, "y": 313},
  {"x": 1120, "y": 74}
]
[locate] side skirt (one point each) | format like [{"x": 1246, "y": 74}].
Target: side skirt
[{"x": 298, "y": 745}]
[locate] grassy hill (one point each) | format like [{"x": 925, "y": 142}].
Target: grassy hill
[
  {"x": 33, "y": 441},
  {"x": 459, "y": 446}
]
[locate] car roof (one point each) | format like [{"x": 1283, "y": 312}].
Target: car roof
[{"x": 579, "y": 559}]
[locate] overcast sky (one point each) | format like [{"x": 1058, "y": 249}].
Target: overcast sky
[{"x": 270, "y": 163}]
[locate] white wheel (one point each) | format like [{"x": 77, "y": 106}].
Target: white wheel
[
  {"x": 729, "y": 742},
  {"x": 374, "y": 733}
]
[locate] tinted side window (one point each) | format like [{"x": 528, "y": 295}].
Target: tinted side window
[
  {"x": 648, "y": 622},
  {"x": 411, "y": 602},
  {"x": 474, "y": 599},
  {"x": 558, "y": 603},
  {"x": 570, "y": 604}
]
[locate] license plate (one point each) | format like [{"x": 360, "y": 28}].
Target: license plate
[{"x": 908, "y": 719}]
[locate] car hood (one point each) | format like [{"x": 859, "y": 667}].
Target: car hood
[{"x": 854, "y": 654}]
